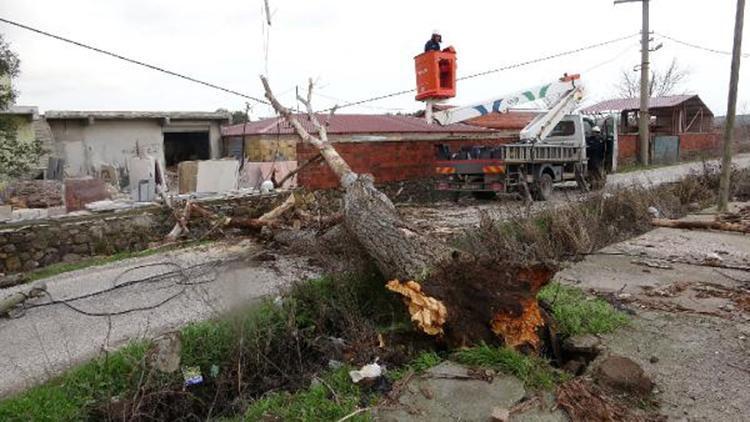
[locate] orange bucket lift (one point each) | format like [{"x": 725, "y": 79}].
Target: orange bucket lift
[{"x": 436, "y": 75}]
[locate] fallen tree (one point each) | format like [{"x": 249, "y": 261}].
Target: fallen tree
[{"x": 461, "y": 298}]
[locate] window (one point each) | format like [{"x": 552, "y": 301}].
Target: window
[{"x": 564, "y": 129}]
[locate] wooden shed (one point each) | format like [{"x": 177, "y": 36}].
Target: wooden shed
[{"x": 670, "y": 115}]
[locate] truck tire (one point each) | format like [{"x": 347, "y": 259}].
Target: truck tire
[
  {"x": 543, "y": 187},
  {"x": 484, "y": 195}
]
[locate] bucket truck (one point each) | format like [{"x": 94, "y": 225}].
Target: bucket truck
[{"x": 557, "y": 146}]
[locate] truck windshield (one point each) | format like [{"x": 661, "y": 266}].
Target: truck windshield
[{"x": 564, "y": 129}]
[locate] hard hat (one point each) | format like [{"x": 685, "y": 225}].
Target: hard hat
[
  {"x": 435, "y": 32},
  {"x": 596, "y": 129}
]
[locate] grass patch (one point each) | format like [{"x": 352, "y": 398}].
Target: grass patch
[
  {"x": 275, "y": 346},
  {"x": 64, "y": 267},
  {"x": 576, "y": 313},
  {"x": 535, "y": 372},
  {"x": 74, "y": 395},
  {"x": 422, "y": 362},
  {"x": 330, "y": 397}
]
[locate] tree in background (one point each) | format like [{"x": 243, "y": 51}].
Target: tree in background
[
  {"x": 664, "y": 82},
  {"x": 239, "y": 116},
  {"x": 17, "y": 157}
]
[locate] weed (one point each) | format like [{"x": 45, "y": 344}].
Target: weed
[
  {"x": 535, "y": 372},
  {"x": 329, "y": 398},
  {"x": 418, "y": 365},
  {"x": 74, "y": 395},
  {"x": 268, "y": 346},
  {"x": 576, "y": 313}
]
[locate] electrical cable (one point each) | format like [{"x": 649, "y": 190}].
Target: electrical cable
[
  {"x": 496, "y": 70},
  {"x": 134, "y": 61},
  {"x": 698, "y": 47},
  {"x": 184, "y": 280},
  {"x": 350, "y": 104}
]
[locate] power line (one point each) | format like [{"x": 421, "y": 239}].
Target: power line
[
  {"x": 138, "y": 62},
  {"x": 496, "y": 70},
  {"x": 350, "y": 104},
  {"x": 698, "y": 47}
]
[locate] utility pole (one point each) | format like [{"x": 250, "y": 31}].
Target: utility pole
[
  {"x": 644, "y": 119},
  {"x": 726, "y": 162}
]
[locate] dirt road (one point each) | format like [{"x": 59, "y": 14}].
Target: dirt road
[
  {"x": 447, "y": 219},
  {"x": 176, "y": 288}
]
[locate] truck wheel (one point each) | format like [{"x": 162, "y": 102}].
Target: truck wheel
[
  {"x": 543, "y": 187},
  {"x": 484, "y": 195}
]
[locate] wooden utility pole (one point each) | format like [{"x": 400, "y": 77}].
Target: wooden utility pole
[
  {"x": 644, "y": 117},
  {"x": 726, "y": 162}
]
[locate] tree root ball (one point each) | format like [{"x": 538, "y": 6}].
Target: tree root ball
[{"x": 490, "y": 301}]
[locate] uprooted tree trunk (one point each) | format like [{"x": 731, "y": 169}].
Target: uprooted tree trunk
[{"x": 448, "y": 293}]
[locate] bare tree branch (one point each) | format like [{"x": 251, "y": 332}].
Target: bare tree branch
[
  {"x": 661, "y": 83},
  {"x": 335, "y": 162}
]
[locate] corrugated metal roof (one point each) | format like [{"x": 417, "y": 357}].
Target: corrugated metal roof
[
  {"x": 351, "y": 124},
  {"x": 621, "y": 104},
  {"x": 132, "y": 115}
]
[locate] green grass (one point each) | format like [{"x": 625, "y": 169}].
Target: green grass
[
  {"x": 73, "y": 395},
  {"x": 329, "y": 398},
  {"x": 576, "y": 313},
  {"x": 535, "y": 372},
  {"x": 268, "y": 334},
  {"x": 63, "y": 267},
  {"x": 418, "y": 365}
]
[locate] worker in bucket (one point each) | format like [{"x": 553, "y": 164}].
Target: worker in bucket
[{"x": 434, "y": 43}]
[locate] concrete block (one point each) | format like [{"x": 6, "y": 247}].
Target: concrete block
[
  {"x": 142, "y": 178},
  {"x": 6, "y": 212},
  {"x": 26, "y": 214},
  {"x": 187, "y": 174},
  {"x": 217, "y": 176},
  {"x": 79, "y": 192},
  {"x": 208, "y": 176}
]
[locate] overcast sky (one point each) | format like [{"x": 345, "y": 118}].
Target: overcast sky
[{"x": 354, "y": 49}]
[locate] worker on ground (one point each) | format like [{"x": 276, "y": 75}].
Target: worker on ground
[
  {"x": 434, "y": 43},
  {"x": 595, "y": 150}
]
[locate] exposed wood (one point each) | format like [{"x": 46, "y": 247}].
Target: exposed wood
[
  {"x": 180, "y": 226},
  {"x": 701, "y": 225},
  {"x": 281, "y": 209},
  {"x": 236, "y": 222},
  {"x": 461, "y": 295}
]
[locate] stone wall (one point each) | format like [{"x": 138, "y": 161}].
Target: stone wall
[{"x": 30, "y": 245}]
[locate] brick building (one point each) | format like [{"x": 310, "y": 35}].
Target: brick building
[{"x": 390, "y": 147}]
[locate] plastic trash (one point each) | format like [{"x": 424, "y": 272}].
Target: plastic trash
[{"x": 369, "y": 371}]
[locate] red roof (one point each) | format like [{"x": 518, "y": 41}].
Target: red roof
[
  {"x": 622, "y": 104},
  {"x": 351, "y": 124},
  {"x": 513, "y": 120}
]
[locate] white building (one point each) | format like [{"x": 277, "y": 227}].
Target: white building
[{"x": 86, "y": 140}]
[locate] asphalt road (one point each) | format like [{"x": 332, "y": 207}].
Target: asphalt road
[{"x": 157, "y": 294}]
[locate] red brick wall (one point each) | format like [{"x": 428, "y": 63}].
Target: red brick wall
[
  {"x": 627, "y": 149},
  {"x": 700, "y": 144},
  {"x": 388, "y": 161}
]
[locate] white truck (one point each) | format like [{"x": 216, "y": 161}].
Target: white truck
[{"x": 555, "y": 147}]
